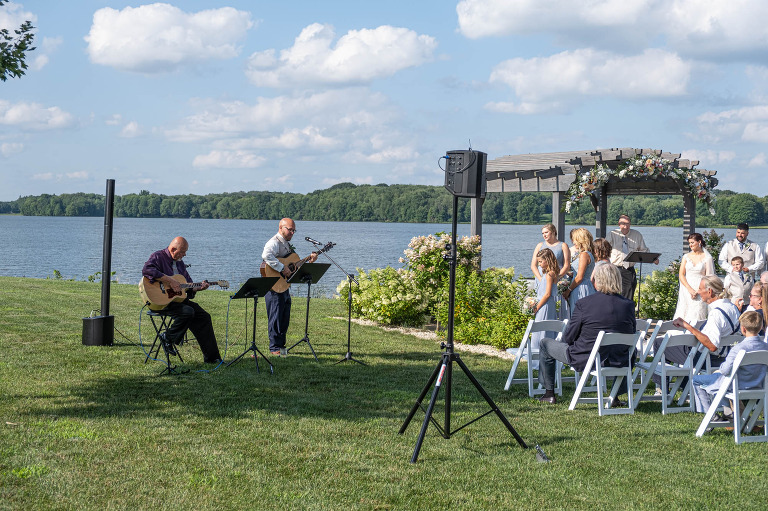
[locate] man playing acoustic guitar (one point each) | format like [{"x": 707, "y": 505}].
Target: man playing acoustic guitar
[
  {"x": 278, "y": 302},
  {"x": 161, "y": 266}
]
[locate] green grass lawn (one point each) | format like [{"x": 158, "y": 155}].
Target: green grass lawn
[{"x": 96, "y": 428}]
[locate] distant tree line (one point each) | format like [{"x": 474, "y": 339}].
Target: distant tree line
[{"x": 388, "y": 203}]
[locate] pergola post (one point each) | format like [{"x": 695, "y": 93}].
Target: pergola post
[
  {"x": 601, "y": 214},
  {"x": 558, "y": 215},
  {"x": 689, "y": 219}
]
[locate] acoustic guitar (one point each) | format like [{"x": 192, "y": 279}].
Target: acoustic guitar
[
  {"x": 159, "y": 296},
  {"x": 293, "y": 262}
]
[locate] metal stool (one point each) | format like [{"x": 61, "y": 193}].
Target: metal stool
[{"x": 161, "y": 322}]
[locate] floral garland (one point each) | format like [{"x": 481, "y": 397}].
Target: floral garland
[{"x": 642, "y": 166}]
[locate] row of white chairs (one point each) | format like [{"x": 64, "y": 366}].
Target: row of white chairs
[{"x": 675, "y": 397}]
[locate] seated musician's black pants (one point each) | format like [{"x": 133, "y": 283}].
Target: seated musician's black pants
[{"x": 189, "y": 315}]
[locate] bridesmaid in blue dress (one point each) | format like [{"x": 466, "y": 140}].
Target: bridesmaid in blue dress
[
  {"x": 562, "y": 255},
  {"x": 546, "y": 291},
  {"x": 581, "y": 285}
]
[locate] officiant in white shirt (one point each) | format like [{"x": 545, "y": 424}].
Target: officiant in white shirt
[{"x": 626, "y": 240}]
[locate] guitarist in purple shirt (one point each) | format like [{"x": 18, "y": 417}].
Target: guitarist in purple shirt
[{"x": 160, "y": 267}]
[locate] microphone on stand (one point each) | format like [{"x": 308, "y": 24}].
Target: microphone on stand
[{"x": 312, "y": 241}]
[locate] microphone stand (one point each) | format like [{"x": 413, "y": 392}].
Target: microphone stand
[{"x": 350, "y": 278}]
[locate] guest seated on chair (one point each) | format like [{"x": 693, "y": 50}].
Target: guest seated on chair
[
  {"x": 161, "y": 266},
  {"x": 604, "y": 310},
  {"x": 722, "y": 319},
  {"x": 752, "y": 376}
]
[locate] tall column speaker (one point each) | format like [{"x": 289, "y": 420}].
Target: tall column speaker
[{"x": 465, "y": 173}]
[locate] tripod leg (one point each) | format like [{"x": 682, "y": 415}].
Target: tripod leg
[
  {"x": 445, "y": 362},
  {"x": 490, "y": 402},
  {"x": 421, "y": 398}
]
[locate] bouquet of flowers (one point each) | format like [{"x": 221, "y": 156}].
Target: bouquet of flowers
[
  {"x": 529, "y": 305},
  {"x": 564, "y": 284}
]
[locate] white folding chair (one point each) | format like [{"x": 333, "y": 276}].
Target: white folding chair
[
  {"x": 525, "y": 350},
  {"x": 642, "y": 325},
  {"x": 659, "y": 366},
  {"x": 703, "y": 364},
  {"x": 595, "y": 368},
  {"x": 756, "y": 401}
]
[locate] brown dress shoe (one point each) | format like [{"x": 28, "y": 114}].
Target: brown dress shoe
[{"x": 548, "y": 399}]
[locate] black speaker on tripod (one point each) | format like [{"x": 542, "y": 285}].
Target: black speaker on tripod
[{"x": 465, "y": 173}]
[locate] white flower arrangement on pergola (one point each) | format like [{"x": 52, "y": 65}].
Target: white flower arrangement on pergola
[{"x": 641, "y": 166}]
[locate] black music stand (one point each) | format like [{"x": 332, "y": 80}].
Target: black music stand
[
  {"x": 641, "y": 257},
  {"x": 308, "y": 273},
  {"x": 254, "y": 288}
]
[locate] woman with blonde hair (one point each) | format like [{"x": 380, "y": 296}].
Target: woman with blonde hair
[
  {"x": 581, "y": 285},
  {"x": 545, "y": 294},
  {"x": 562, "y": 255}
]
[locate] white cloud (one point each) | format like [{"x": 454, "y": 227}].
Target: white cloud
[
  {"x": 45, "y": 176},
  {"x": 12, "y": 15},
  {"x": 114, "y": 120},
  {"x": 342, "y": 110},
  {"x": 229, "y": 160},
  {"x": 484, "y": 18},
  {"x": 161, "y": 37},
  {"x": 748, "y": 124},
  {"x": 758, "y": 160},
  {"x": 708, "y": 157},
  {"x": 9, "y": 148},
  {"x": 33, "y": 116},
  {"x": 548, "y": 83},
  {"x": 352, "y": 125},
  {"x": 360, "y": 56},
  {"x": 131, "y": 130},
  {"x": 49, "y": 45},
  {"x": 77, "y": 175},
  {"x": 706, "y": 29}
]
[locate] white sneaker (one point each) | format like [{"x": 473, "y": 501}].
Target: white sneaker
[{"x": 658, "y": 392}]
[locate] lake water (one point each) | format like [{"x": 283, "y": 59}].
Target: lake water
[{"x": 231, "y": 249}]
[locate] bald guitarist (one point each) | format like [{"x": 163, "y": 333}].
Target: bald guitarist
[
  {"x": 279, "y": 303},
  {"x": 161, "y": 267}
]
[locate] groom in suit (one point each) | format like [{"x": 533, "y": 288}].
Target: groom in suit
[{"x": 605, "y": 310}]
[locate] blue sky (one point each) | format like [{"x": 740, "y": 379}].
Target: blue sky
[{"x": 205, "y": 96}]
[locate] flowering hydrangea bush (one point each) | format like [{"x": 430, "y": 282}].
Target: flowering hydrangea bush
[
  {"x": 388, "y": 296},
  {"x": 658, "y": 292},
  {"x": 424, "y": 258},
  {"x": 641, "y": 166},
  {"x": 488, "y": 304}
]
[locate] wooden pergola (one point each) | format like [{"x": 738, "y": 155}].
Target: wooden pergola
[{"x": 554, "y": 173}]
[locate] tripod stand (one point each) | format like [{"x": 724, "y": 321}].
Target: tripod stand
[
  {"x": 309, "y": 273},
  {"x": 253, "y": 288},
  {"x": 350, "y": 278},
  {"x": 348, "y": 355},
  {"x": 443, "y": 373}
]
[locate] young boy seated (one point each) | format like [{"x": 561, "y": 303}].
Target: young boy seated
[
  {"x": 738, "y": 282},
  {"x": 705, "y": 386}
]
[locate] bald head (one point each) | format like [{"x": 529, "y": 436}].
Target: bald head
[
  {"x": 178, "y": 248},
  {"x": 286, "y": 228}
]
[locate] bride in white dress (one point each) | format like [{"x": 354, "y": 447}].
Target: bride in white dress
[{"x": 694, "y": 265}]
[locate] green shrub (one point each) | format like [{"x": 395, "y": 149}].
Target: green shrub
[
  {"x": 658, "y": 292},
  {"x": 388, "y": 296},
  {"x": 488, "y": 303},
  {"x": 487, "y": 307}
]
